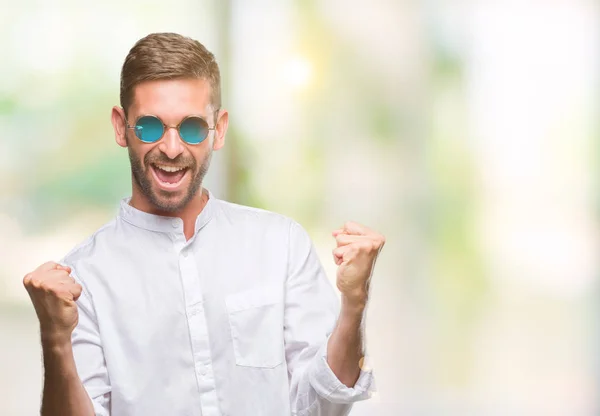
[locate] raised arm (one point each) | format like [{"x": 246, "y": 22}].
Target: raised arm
[
  {"x": 323, "y": 347},
  {"x": 53, "y": 293}
]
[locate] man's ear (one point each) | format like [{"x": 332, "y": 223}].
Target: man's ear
[
  {"x": 118, "y": 119},
  {"x": 221, "y": 129}
]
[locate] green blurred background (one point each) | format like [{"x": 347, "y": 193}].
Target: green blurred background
[{"x": 465, "y": 131}]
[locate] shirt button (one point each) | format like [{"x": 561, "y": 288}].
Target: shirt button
[
  {"x": 175, "y": 222},
  {"x": 185, "y": 254},
  {"x": 202, "y": 369}
]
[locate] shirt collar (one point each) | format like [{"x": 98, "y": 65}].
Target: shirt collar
[{"x": 164, "y": 224}]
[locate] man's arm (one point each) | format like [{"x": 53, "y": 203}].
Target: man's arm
[
  {"x": 322, "y": 356},
  {"x": 53, "y": 293},
  {"x": 345, "y": 348},
  {"x": 63, "y": 393},
  {"x": 356, "y": 252}
]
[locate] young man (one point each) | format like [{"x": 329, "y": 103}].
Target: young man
[{"x": 189, "y": 305}]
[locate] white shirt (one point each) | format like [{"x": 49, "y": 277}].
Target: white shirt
[{"x": 233, "y": 322}]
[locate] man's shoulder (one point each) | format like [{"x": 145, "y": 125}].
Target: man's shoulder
[
  {"x": 86, "y": 248},
  {"x": 237, "y": 213}
]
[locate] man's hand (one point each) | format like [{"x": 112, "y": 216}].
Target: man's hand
[
  {"x": 53, "y": 293},
  {"x": 355, "y": 254}
]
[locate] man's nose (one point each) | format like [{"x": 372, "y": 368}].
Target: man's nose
[{"x": 171, "y": 144}]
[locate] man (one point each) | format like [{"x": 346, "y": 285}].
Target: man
[{"x": 189, "y": 305}]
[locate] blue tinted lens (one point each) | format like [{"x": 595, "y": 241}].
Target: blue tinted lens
[
  {"x": 193, "y": 130},
  {"x": 149, "y": 129}
]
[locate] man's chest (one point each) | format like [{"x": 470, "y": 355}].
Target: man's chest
[{"x": 194, "y": 300}]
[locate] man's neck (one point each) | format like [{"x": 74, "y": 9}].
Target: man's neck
[{"x": 188, "y": 214}]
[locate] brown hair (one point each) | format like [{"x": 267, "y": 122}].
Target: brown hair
[{"x": 168, "y": 56}]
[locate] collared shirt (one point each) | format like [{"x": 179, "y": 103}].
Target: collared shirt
[{"x": 233, "y": 322}]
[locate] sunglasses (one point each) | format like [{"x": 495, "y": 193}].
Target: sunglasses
[{"x": 150, "y": 129}]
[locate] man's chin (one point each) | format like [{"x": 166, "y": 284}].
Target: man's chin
[{"x": 168, "y": 201}]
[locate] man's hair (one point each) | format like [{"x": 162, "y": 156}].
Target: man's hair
[{"x": 161, "y": 56}]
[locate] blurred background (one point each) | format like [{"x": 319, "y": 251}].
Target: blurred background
[{"x": 465, "y": 131}]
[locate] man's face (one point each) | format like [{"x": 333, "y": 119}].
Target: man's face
[{"x": 169, "y": 173}]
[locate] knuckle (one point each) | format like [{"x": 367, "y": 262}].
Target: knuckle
[
  {"x": 36, "y": 282},
  {"x": 27, "y": 279}
]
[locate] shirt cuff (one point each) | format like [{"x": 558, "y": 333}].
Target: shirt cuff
[
  {"x": 101, "y": 405},
  {"x": 327, "y": 385}
]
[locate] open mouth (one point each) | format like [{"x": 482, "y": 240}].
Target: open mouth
[{"x": 169, "y": 177}]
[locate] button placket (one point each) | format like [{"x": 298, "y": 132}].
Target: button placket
[
  {"x": 198, "y": 328},
  {"x": 201, "y": 368}
]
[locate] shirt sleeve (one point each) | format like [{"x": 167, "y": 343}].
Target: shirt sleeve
[
  {"x": 311, "y": 311},
  {"x": 88, "y": 353}
]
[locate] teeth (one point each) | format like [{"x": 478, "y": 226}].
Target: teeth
[{"x": 169, "y": 168}]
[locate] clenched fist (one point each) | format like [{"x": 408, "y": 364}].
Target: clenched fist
[
  {"x": 53, "y": 293},
  {"x": 355, "y": 254}
]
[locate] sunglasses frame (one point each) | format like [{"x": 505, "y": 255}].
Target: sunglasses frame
[{"x": 165, "y": 128}]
